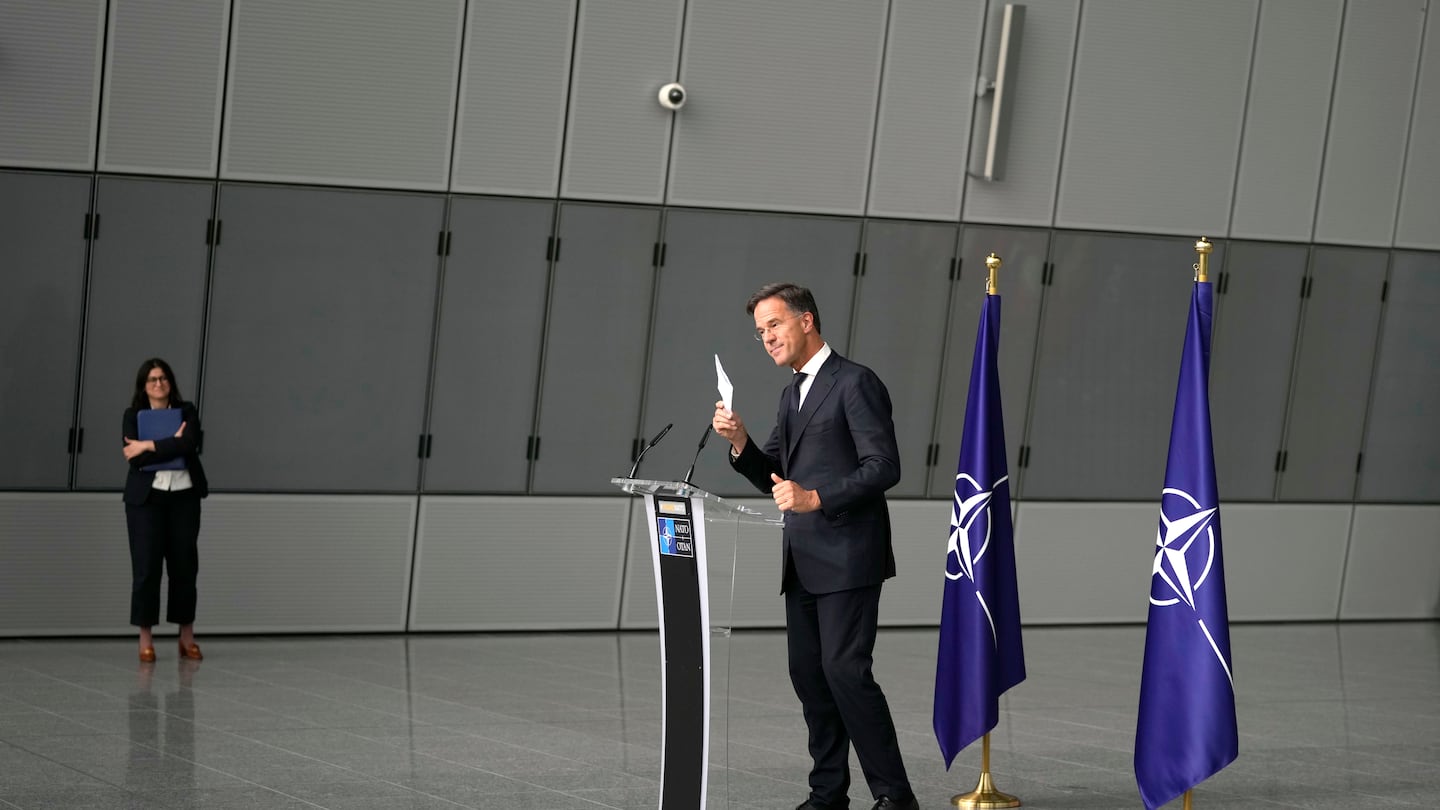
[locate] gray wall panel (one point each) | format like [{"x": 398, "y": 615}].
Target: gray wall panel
[
  {"x": 1026, "y": 195},
  {"x": 492, "y": 318},
  {"x": 43, "y": 274},
  {"x": 75, "y": 539},
  {"x": 617, "y": 141},
  {"x": 1369, "y": 119},
  {"x": 322, "y": 304},
  {"x": 480, "y": 561},
  {"x": 1332, "y": 374},
  {"x": 1393, "y": 565},
  {"x": 900, "y": 305},
  {"x": 919, "y": 162},
  {"x": 50, "y": 82},
  {"x": 512, "y": 97},
  {"x": 1419, "y": 223},
  {"x": 782, "y": 104},
  {"x": 1285, "y": 119},
  {"x": 1252, "y": 350},
  {"x": 1022, "y": 253},
  {"x": 365, "y": 97},
  {"x": 304, "y": 563},
  {"x": 715, "y": 262},
  {"x": 916, "y": 594},
  {"x": 598, "y": 325},
  {"x": 1283, "y": 562},
  {"x": 267, "y": 564},
  {"x": 1085, "y": 562},
  {"x": 1402, "y": 442},
  {"x": 1138, "y": 157},
  {"x": 164, "y": 64},
  {"x": 147, "y": 299},
  {"x": 1109, "y": 360}
]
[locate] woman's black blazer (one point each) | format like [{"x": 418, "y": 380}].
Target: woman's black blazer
[{"x": 139, "y": 482}]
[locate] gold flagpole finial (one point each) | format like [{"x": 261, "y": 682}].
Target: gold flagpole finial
[
  {"x": 993, "y": 263},
  {"x": 1202, "y": 267}
]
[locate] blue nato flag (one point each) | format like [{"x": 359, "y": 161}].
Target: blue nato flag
[
  {"x": 1186, "y": 730},
  {"x": 980, "y": 652}
]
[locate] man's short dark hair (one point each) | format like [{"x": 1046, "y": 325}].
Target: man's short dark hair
[{"x": 799, "y": 299}]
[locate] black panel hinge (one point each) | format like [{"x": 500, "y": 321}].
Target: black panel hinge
[
  {"x": 1047, "y": 274},
  {"x": 861, "y": 259},
  {"x": 427, "y": 441},
  {"x": 532, "y": 448},
  {"x": 200, "y": 442},
  {"x": 1281, "y": 458},
  {"x": 552, "y": 249},
  {"x": 932, "y": 451},
  {"x": 1384, "y": 291},
  {"x": 442, "y": 247},
  {"x": 657, "y": 256},
  {"x": 212, "y": 231},
  {"x": 1359, "y": 462},
  {"x": 92, "y": 226},
  {"x": 1024, "y": 457},
  {"x": 1306, "y": 284},
  {"x": 75, "y": 442},
  {"x": 954, "y": 268},
  {"x": 1224, "y": 285}
]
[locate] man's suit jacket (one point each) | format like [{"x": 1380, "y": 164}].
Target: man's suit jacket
[
  {"x": 841, "y": 444},
  {"x": 138, "y": 482}
]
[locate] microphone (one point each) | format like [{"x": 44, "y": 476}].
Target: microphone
[
  {"x": 653, "y": 442},
  {"x": 706, "y": 435}
]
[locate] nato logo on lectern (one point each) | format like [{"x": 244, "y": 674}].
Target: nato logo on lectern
[{"x": 674, "y": 535}]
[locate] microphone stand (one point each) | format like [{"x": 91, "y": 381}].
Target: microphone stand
[
  {"x": 653, "y": 442},
  {"x": 703, "y": 437}
]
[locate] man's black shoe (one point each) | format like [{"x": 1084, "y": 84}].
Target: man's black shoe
[
  {"x": 809, "y": 805},
  {"x": 887, "y": 803}
]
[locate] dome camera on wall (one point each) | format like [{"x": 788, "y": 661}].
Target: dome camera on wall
[{"x": 672, "y": 96}]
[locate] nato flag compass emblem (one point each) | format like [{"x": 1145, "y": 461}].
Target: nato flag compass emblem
[
  {"x": 1184, "y": 556},
  {"x": 970, "y": 535}
]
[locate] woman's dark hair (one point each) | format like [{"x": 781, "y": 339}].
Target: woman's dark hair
[
  {"x": 798, "y": 299},
  {"x": 141, "y": 400}
]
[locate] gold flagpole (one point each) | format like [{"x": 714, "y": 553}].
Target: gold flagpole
[
  {"x": 985, "y": 796},
  {"x": 1202, "y": 267},
  {"x": 1202, "y": 273}
]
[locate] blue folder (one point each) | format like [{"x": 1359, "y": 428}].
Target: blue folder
[{"x": 160, "y": 423}]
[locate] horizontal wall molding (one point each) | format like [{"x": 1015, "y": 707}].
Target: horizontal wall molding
[{"x": 341, "y": 563}]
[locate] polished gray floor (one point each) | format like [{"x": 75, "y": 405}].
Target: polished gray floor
[{"x": 1331, "y": 716}]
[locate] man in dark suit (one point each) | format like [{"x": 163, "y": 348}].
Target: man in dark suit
[{"x": 827, "y": 464}]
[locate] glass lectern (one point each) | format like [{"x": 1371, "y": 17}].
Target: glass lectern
[{"x": 694, "y": 543}]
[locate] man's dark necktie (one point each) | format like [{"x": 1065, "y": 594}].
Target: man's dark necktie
[{"x": 793, "y": 410}]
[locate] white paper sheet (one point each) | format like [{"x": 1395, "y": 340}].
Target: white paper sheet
[{"x": 722, "y": 382}]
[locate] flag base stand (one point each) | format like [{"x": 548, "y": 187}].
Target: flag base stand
[{"x": 984, "y": 796}]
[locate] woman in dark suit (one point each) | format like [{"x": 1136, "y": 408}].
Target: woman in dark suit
[{"x": 162, "y": 510}]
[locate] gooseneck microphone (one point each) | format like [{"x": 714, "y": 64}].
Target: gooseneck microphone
[
  {"x": 706, "y": 435},
  {"x": 646, "y": 449}
]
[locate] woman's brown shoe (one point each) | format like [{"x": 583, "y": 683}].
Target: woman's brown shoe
[
  {"x": 147, "y": 655},
  {"x": 191, "y": 651}
]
